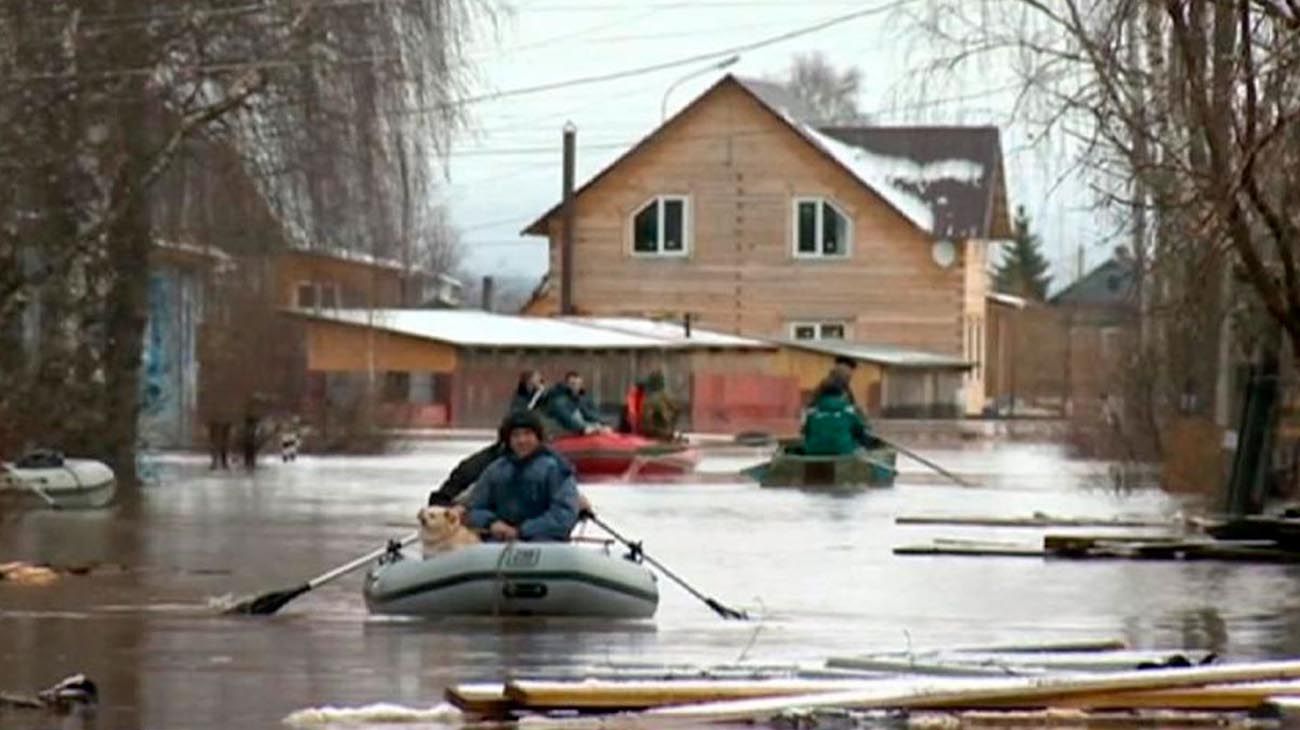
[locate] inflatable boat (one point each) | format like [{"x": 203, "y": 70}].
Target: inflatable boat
[
  {"x": 514, "y": 579},
  {"x": 611, "y": 455},
  {"x": 46, "y": 479}
]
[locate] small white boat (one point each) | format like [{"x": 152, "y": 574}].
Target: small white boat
[
  {"x": 47, "y": 479},
  {"x": 514, "y": 579}
]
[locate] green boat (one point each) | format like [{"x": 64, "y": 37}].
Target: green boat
[{"x": 864, "y": 468}]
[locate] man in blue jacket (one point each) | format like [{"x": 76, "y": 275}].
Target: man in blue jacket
[{"x": 529, "y": 493}]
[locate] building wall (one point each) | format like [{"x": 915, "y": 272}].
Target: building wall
[
  {"x": 742, "y": 169},
  {"x": 334, "y": 347},
  {"x": 359, "y": 284},
  {"x": 974, "y": 340}
]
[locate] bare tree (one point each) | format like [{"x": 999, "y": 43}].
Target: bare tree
[
  {"x": 326, "y": 103},
  {"x": 830, "y": 94},
  {"x": 1187, "y": 113}
]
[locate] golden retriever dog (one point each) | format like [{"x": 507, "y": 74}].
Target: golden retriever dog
[{"x": 441, "y": 531}]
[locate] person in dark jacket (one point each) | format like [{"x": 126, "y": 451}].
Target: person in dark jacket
[
  {"x": 529, "y": 393},
  {"x": 841, "y": 374},
  {"x": 569, "y": 408},
  {"x": 529, "y": 493},
  {"x": 833, "y": 426}
]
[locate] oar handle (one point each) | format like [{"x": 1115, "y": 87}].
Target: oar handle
[{"x": 348, "y": 567}]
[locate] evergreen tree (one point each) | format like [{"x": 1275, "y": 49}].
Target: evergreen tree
[{"x": 1023, "y": 271}]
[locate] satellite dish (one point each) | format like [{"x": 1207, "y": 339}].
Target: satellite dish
[{"x": 944, "y": 253}]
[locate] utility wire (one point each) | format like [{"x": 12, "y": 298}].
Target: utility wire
[{"x": 642, "y": 70}]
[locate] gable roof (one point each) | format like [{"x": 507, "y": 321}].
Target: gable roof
[
  {"x": 944, "y": 180},
  {"x": 957, "y": 171},
  {"x": 1112, "y": 284},
  {"x": 843, "y": 155}
]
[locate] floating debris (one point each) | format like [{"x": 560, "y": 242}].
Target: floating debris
[{"x": 382, "y": 712}]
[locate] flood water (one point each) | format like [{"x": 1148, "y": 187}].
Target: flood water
[{"x": 818, "y": 569}]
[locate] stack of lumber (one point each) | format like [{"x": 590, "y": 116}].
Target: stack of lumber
[
  {"x": 1250, "y": 539},
  {"x": 1041, "y": 685}
]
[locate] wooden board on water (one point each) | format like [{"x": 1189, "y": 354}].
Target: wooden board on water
[
  {"x": 945, "y": 663},
  {"x": 972, "y": 549},
  {"x": 963, "y": 692},
  {"x": 1034, "y": 521},
  {"x": 486, "y": 699},
  {"x": 596, "y": 696}
]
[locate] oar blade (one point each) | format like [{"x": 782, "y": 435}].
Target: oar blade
[
  {"x": 267, "y": 603},
  {"x": 725, "y": 612}
]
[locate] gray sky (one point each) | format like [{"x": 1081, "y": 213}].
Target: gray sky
[{"x": 506, "y": 172}]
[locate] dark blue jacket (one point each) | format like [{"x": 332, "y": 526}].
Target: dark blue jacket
[
  {"x": 572, "y": 411},
  {"x": 537, "y": 495}
]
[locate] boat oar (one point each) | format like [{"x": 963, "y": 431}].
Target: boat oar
[
  {"x": 635, "y": 547},
  {"x": 268, "y": 603},
  {"x": 917, "y": 457}
]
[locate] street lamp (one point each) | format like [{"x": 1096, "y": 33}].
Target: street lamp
[{"x": 724, "y": 63}]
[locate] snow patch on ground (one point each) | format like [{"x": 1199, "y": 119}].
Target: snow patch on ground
[{"x": 386, "y": 713}]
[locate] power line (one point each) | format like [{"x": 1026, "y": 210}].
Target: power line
[{"x": 642, "y": 70}]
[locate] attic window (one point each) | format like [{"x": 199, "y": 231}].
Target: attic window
[
  {"x": 821, "y": 230},
  {"x": 660, "y": 228},
  {"x": 817, "y": 330}
]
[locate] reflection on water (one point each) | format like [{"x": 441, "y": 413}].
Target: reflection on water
[{"x": 818, "y": 569}]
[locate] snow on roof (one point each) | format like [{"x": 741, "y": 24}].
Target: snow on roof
[
  {"x": 920, "y": 174},
  {"x": 359, "y": 257},
  {"x": 899, "y": 357},
  {"x": 668, "y": 330},
  {"x": 874, "y": 171},
  {"x": 473, "y": 328}
]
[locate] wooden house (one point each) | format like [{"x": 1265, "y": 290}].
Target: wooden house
[{"x": 745, "y": 216}]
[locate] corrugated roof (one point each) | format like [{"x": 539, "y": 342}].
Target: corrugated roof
[
  {"x": 474, "y": 328},
  {"x": 956, "y": 171},
  {"x": 888, "y": 355}
]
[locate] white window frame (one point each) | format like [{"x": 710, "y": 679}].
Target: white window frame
[
  {"x": 819, "y": 228},
  {"x": 687, "y": 224},
  {"x": 818, "y": 325}
]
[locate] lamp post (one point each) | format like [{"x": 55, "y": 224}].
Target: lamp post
[{"x": 724, "y": 63}]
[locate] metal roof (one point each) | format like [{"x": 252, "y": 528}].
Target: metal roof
[
  {"x": 474, "y": 328},
  {"x": 669, "y": 330},
  {"x": 888, "y": 355}
]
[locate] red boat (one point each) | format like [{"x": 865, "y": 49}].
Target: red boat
[{"x": 613, "y": 455}]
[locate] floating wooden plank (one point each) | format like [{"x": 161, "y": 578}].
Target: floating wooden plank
[
  {"x": 596, "y": 696},
  {"x": 1060, "y": 646},
  {"x": 486, "y": 699},
  {"x": 1034, "y": 521},
  {"x": 961, "y": 692},
  {"x": 973, "y": 549},
  {"x": 945, "y": 663},
  {"x": 622, "y": 695}
]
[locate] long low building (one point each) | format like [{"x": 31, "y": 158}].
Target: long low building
[{"x": 459, "y": 367}]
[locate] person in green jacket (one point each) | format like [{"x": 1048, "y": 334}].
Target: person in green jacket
[
  {"x": 833, "y": 426},
  {"x": 658, "y": 411}
]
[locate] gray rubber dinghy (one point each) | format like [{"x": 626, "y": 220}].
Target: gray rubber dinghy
[{"x": 514, "y": 579}]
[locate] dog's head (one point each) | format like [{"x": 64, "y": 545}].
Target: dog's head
[{"x": 438, "y": 521}]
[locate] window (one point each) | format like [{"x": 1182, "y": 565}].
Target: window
[
  {"x": 307, "y": 295},
  {"x": 820, "y": 229},
  {"x": 316, "y": 295},
  {"x": 329, "y": 295},
  {"x": 817, "y": 330},
  {"x": 397, "y": 387},
  {"x": 660, "y": 228}
]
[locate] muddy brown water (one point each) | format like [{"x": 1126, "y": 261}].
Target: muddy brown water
[{"x": 818, "y": 568}]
